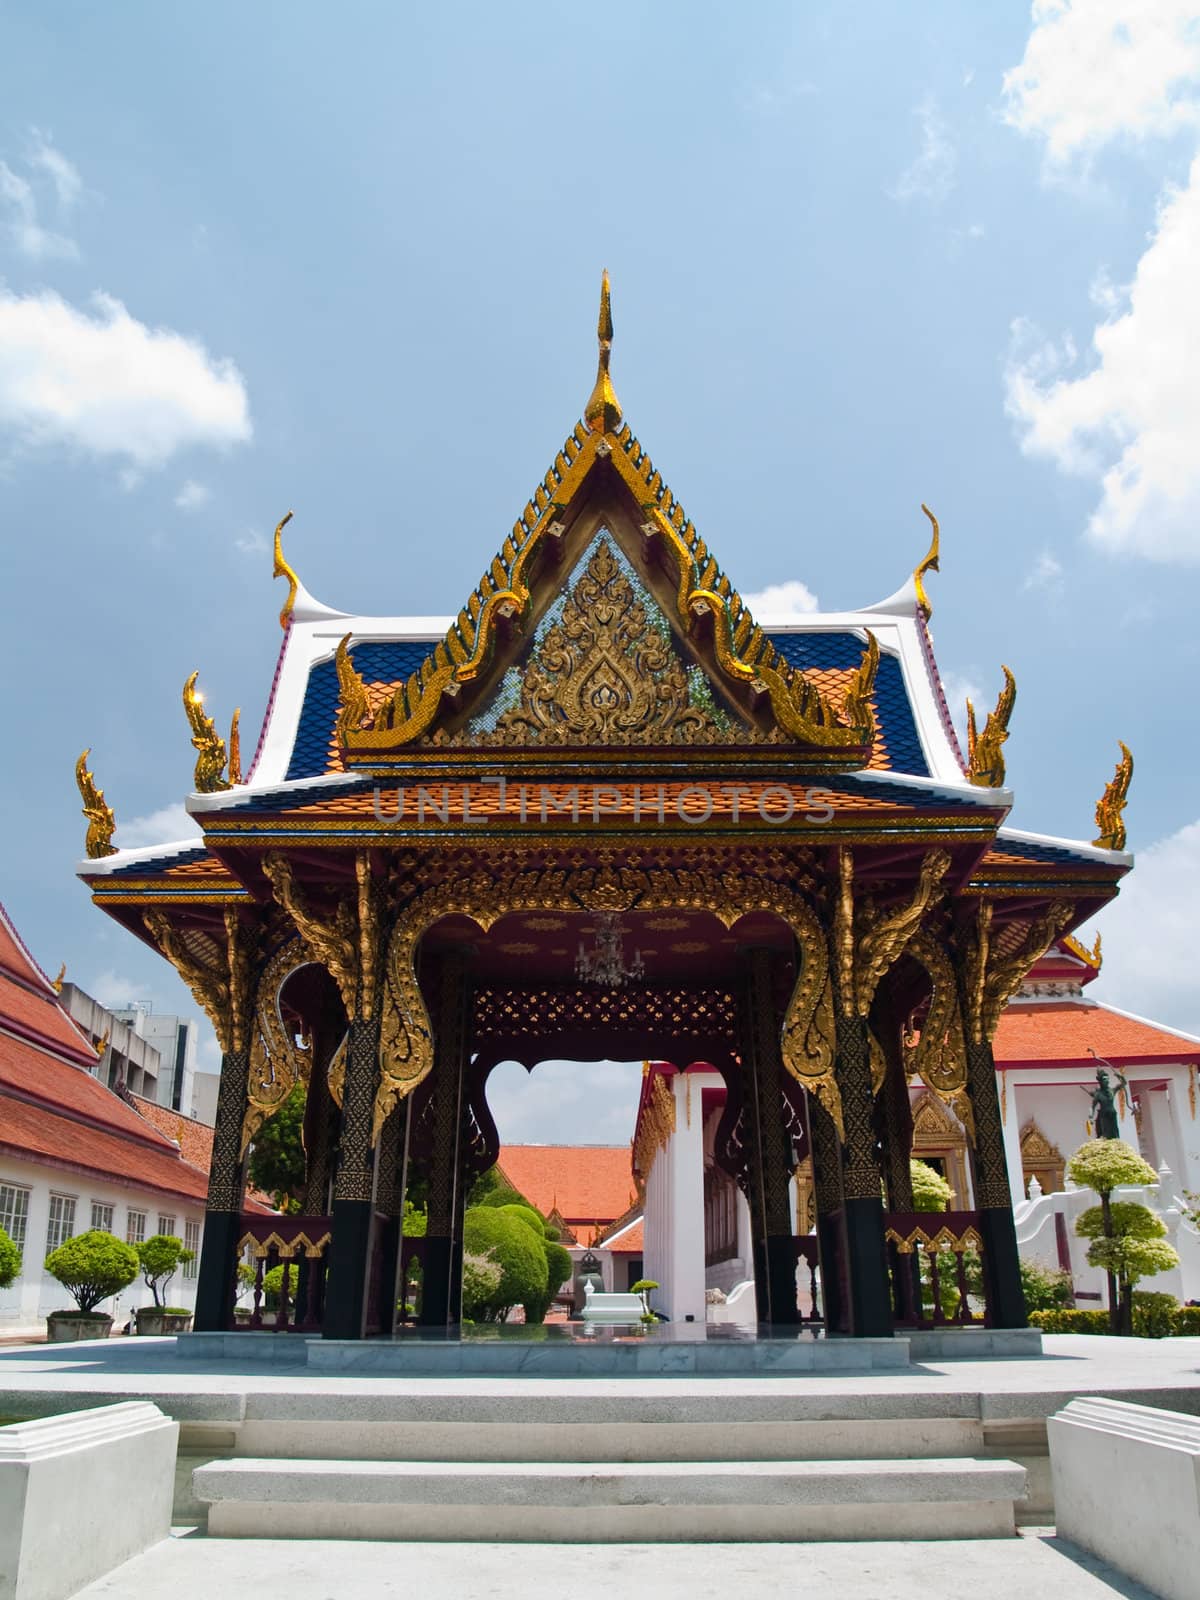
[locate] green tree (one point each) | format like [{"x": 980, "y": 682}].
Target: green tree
[
  {"x": 930, "y": 1190},
  {"x": 1123, "y": 1245},
  {"x": 160, "y": 1257},
  {"x": 10, "y": 1260},
  {"x": 518, "y": 1250},
  {"x": 1045, "y": 1288},
  {"x": 480, "y": 1282},
  {"x": 277, "y": 1163},
  {"x": 92, "y": 1266}
]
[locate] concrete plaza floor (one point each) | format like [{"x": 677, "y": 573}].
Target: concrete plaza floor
[{"x": 1035, "y": 1564}]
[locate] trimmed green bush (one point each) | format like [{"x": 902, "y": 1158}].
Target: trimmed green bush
[
  {"x": 92, "y": 1266},
  {"x": 1108, "y": 1164},
  {"x": 1155, "y": 1316},
  {"x": 1062, "y": 1321},
  {"x": 480, "y": 1281},
  {"x": 160, "y": 1257},
  {"x": 511, "y": 1242},
  {"x": 10, "y": 1260}
]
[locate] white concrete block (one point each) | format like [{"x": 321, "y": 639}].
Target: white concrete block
[
  {"x": 1127, "y": 1488},
  {"x": 80, "y": 1493},
  {"x": 611, "y": 1501}
]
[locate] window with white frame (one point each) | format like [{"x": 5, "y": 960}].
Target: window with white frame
[
  {"x": 135, "y": 1228},
  {"x": 166, "y": 1225},
  {"x": 101, "y": 1217},
  {"x": 14, "y": 1212},
  {"x": 191, "y": 1241},
  {"x": 62, "y": 1220}
]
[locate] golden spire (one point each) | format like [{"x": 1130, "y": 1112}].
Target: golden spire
[
  {"x": 1110, "y": 820},
  {"x": 603, "y": 410},
  {"x": 283, "y": 570},
  {"x": 101, "y": 822},
  {"x": 235, "y": 748},
  {"x": 930, "y": 564}
]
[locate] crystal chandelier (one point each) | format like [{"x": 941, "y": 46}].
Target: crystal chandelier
[{"x": 604, "y": 963}]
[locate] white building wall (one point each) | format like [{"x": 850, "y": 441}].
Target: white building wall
[
  {"x": 25, "y": 1305},
  {"x": 673, "y": 1227}
]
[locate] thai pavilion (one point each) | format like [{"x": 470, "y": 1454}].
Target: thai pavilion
[{"x": 455, "y": 834}]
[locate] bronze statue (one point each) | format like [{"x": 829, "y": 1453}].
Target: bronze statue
[{"x": 1105, "y": 1122}]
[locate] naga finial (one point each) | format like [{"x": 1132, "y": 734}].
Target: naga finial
[
  {"x": 100, "y": 1045},
  {"x": 930, "y": 564},
  {"x": 57, "y": 982},
  {"x": 603, "y": 410},
  {"x": 857, "y": 711},
  {"x": 206, "y": 741},
  {"x": 356, "y": 706},
  {"x": 101, "y": 821},
  {"x": 985, "y": 758},
  {"x": 1110, "y": 807},
  {"x": 282, "y": 569}
]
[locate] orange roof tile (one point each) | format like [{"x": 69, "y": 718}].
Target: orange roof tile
[
  {"x": 590, "y": 1183},
  {"x": 36, "y": 1131},
  {"x": 29, "y": 1071},
  {"x": 628, "y": 1243},
  {"x": 1068, "y": 1032},
  {"x": 195, "y": 1139},
  {"x": 28, "y": 1003}
]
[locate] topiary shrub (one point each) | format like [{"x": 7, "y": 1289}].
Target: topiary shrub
[
  {"x": 1070, "y": 1321},
  {"x": 10, "y": 1260},
  {"x": 92, "y": 1266},
  {"x": 480, "y": 1281},
  {"x": 160, "y": 1257},
  {"x": 1155, "y": 1315},
  {"x": 1127, "y": 1238},
  {"x": 1187, "y": 1321},
  {"x": 520, "y": 1252}
]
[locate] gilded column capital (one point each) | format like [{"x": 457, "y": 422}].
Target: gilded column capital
[
  {"x": 988, "y": 976},
  {"x": 867, "y": 944},
  {"x": 223, "y": 988},
  {"x": 330, "y": 942}
]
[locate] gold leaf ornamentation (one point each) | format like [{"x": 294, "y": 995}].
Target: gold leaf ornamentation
[
  {"x": 283, "y": 569},
  {"x": 406, "y": 1047},
  {"x": 656, "y": 1124},
  {"x": 1110, "y": 808},
  {"x": 100, "y": 819},
  {"x": 206, "y": 741},
  {"x": 277, "y": 1062},
  {"x": 939, "y": 1057},
  {"x": 985, "y": 758},
  {"x": 210, "y": 985},
  {"x": 330, "y": 943},
  {"x": 929, "y": 564}
]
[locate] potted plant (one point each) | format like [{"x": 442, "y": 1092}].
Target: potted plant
[
  {"x": 643, "y": 1287},
  {"x": 92, "y": 1266},
  {"x": 159, "y": 1258}
]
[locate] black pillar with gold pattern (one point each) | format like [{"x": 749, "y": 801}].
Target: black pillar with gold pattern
[
  {"x": 216, "y": 1288},
  {"x": 868, "y": 1292},
  {"x": 441, "y": 1295},
  {"x": 993, "y": 1198},
  {"x": 347, "y": 1289},
  {"x": 827, "y": 1184},
  {"x": 770, "y": 1155}
]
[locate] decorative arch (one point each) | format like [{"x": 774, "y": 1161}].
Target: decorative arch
[
  {"x": 406, "y": 1039},
  {"x": 1041, "y": 1160},
  {"x": 937, "y": 1134}
]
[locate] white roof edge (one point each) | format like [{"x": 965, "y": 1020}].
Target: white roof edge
[
  {"x": 634, "y": 1222},
  {"x": 103, "y": 866},
  {"x": 1116, "y": 858},
  {"x": 228, "y": 799},
  {"x": 901, "y": 604},
  {"x": 307, "y": 608},
  {"x": 960, "y": 791}
]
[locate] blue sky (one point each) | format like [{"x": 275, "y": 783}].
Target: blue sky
[{"x": 254, "y": 258}]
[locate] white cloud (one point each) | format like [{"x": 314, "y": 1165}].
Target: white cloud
[
  {"x": 191, "y": 496},
  {"x": 109, "y": 385},
  {"x": 1149, "y": 934},
  {"x": 565, "y": 1102},
  {"x": 959, "y": 687},
  {"x": 166, "y": 826},
  {"x": 251, "y": 543},
  {"x": 789, "y": 599},
  {"x": 114, "y": 989},
  {"x": 1046, "y": 573},
  {"x": 19, "y": 214},
  {"x": 1132, "y": 421},
  {"x": 1096, "y": 70},
  {"x": 63, "y": 174},
  {"x": 930, "y": 176}
]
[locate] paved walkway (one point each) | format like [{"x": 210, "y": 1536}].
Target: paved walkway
[{"x": 992, "y": 1569}]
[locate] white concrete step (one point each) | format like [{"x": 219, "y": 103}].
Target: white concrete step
[{"x": 603, "y": 1502}]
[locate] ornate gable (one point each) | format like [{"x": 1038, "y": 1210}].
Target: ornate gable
[{"x": 602, "y": 478}]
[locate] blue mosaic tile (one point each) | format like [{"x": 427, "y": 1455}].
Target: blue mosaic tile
[
  {"x": 387, "y": 662},
  {"x": 897, "y": 727}
]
